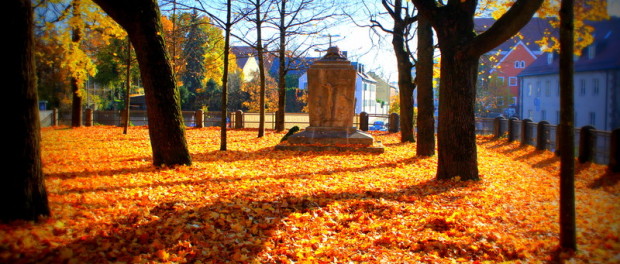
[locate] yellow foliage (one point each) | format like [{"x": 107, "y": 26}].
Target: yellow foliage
[
  {"x": 585, "y": 10},
  {"x": 253, "y": 89}
]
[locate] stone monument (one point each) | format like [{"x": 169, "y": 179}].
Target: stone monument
[{"x": 331, "y": 103}]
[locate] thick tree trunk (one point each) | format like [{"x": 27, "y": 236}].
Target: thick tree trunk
[
  {"x": 141, "y": 20},
  {"x": 456, "y": 138},
  {"x": 568, "y": 240},
  {"x": 424, "y": 81},
  {"x": 22, "y": 187}
]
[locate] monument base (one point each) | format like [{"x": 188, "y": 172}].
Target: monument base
[{"x": 330, "y": 138}]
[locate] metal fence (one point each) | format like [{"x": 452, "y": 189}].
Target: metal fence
[{"x": 526, "y": 132}]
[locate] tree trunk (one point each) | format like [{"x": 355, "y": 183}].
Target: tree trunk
[
  {"x": 261, "y": 69},
  {"x": 141, "y": 20},
  {"x": 223, "y": 136},
  {"x": 280, "y": 117},
  {"x": 76, "y": 104},
  {"x": 22, "y": 187},
  {"x": 405, "y": 81},
  {"x": 424, "y": 82},
  {"x": 456, "y": 138},
  {"x": 128, "y": 83},
  {"x": 76, "y": 37},
  {"x": 566, "y": 128}
]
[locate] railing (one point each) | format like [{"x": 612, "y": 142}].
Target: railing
[
  {"x": 544, "y": 136},
  {"x": 597, "y": 146}
]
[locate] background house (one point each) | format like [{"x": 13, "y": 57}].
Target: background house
[
  {"x": 247, "y": 60},
  {"x": 502, "y": 65},
  {"x": 596, "y": 82}
]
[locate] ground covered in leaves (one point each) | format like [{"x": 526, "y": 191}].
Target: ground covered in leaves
[{"x": 253, "y": 204}]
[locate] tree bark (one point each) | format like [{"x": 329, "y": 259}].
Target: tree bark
[
  {"x": 22, "y": 187},
  {"x": 456, "y": 138},
  {"x": 141, "y": 20},
  {"x": 568, "y": 240},
  {"x": 424, "y": 81}
]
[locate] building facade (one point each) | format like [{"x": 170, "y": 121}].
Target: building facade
[{"x": 596, "y": 83}]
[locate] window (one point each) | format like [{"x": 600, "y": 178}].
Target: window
[
  {"x": 543, "y": 115},
  {"x": 582, "y": 87},
  {"x": 512, "y": 81},
  {"x": 519, "y": 64},
  {"x": 538, "y": 88},
  {"x": 549, "y": 57},
  {"x": 548, "y": 88},
  {"x": 592, "y": 118},
  {"x": 592, "y": 51},
  {"x": 529, "y": 89},
  {"x": 595, "y": 87},
  {"x": 530, "y": 114},
  {"x": 501, "y": 80},
  {"x": 557, "y": 84}
]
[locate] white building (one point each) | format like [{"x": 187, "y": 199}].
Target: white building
[{"x": 596, "y": 83}]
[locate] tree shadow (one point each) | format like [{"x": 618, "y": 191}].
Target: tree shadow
[
  {"x": 297, "y": 175},
  {"x": 236, "y": 229},
  {"x": 608, "y": 179},
  {"x": 103, "y": 172}
]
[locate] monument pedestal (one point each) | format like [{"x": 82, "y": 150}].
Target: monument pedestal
[
  {"x": 331, "y": 99},
  {"x": 330, "y": 138}
]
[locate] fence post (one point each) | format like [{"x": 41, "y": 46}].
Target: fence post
[
  {"x": 394, "y": 123},
  {"x": 542, "y": 135},
  {"x": 55, "y": 117},
  {"x": 199, "y": 118},
  {"x": 558, "y": 133},
  {"x": 238, "y": 119},
  {"x": 614, "y": 151},
  {"x": 123, "y": 118},
  {"x": 525, "y": 135},
  {"x": 497, "y": 127},
  {"x": 587, "y": 140},
  {"x": 364, "y": 121},
  {"x": 89, "y": 117},
  {"x": 511, "y": 125}
]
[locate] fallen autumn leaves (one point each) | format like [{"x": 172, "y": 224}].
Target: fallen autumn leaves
[{"x": 255, "y": 204}]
